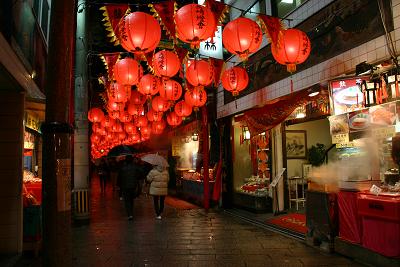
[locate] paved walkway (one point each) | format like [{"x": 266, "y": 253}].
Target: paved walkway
[{"x": 183, "y": 238}]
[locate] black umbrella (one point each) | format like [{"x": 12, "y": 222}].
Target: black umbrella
[{"x": 120, "y": 151}]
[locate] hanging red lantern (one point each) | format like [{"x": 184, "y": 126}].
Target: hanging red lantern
[
  {"x": 107, "y": 122},
  {"x": 235, "y": 80},
  {"x": 145, "y": 131},
  {"x": 183, "y": 109},
  {"x": 166, "y": 63},
  {"x": 173, "y": 119},
  {"x": 114, "y": 114},
  {"x": 95, "y": 138},
  {"x": 293, "y": 48},
  {"x": 127, "y": 71},
  {"x": 96, "y": 127},
  {"x": 121, "y": 136},
  {"x": 242, "y": 36},
  {"x": 135, "y": 110},
  {"x": 159, "y": 104},
  {"x": 196, "y": 97},
  {"x": 149, "y": 85},
  {"x": 95, "y": 115},
  {"x": 133, "y": 138},
  {"x": 139, "y": 33},
  {"x": 130, "y": 128},
  {"x": 117, "y": 127},
  {"x": 118, "y": 93},
  {"x": 124, "y": 116},
  {"x": 170, "y": 90},
  {"x": 115, "y": 106},
  {"x": 157, "y": 127},
  {"x": 194, "y": 24},
  {"x": 154, "y": 115},
  {"x": 200, "y": 73},
  {"x": 141, "y": 121},
  {"x": 110, "y": 136},
  {"x": 137, "y": 98}
]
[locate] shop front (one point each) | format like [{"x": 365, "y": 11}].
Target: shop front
[
  {"x": 187, "y": 150},
  {"x": 353, "y": 202}
]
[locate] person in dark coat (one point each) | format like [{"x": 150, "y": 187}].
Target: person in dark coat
[
  {"x": 130, "y": 174},
  {"x": 102, "y": 171}
]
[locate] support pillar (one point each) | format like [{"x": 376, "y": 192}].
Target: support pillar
[
  {"x": 57, "y": 133},
  {"x": 81, "y": 143},
  {"x": 204, "y": 127}
]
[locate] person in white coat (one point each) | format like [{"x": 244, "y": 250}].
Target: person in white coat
[{"x": 158, "y": 178}]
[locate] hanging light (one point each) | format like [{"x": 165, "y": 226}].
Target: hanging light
[
  {"x": 196, "y": 97},
  {"x": 242, "y": 36},
  {"x": 194, "y": 24},
  {"x": 149, "y": 85},
  {"x": 170, "y": 90},
  {"x": 127, "y": 71},
  {"x": 166, "y": 63},
  {"x": 140, "y": 33},
  {"x": 200, "y": 73},
  {"x": 195, "y": 136},
  {"x": 246, "y": 133},
  {"x": 235, "y": 80},
  {"x": 95, "y": 115},
  {"x": 293, "y": 48},
  {"x": 183, "y": 109}
]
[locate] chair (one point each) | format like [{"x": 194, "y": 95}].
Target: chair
[{"x": 295, "y": 181}]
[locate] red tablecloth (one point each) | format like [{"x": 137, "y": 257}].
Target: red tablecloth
[
  {"x": 349, "y": 221},
  {"x": 36, "y": 190},
  {"x": 380, "y": 223}
]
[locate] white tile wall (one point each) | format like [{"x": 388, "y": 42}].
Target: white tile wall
[{"x": 372, "y": 52}]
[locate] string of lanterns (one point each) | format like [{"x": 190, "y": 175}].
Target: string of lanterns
[{"x": 129, "y": 120}]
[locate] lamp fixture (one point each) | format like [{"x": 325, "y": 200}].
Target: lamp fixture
[
  {"x": 195, "y": 136},
  {"x": 246, "y": 133},
  {"x": 287, "y": 1}
]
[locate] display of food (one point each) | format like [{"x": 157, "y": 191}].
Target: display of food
[
  {"x": 383, "y": 115},
  {"x": 29, "y": 177}
]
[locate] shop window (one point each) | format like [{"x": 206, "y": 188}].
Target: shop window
[{"x": 282, "y": 8}]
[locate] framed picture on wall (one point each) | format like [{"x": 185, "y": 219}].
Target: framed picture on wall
[{"x": 296, "y": 144}]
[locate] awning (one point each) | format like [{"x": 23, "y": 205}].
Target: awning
[{"x": 263, "y": 119}]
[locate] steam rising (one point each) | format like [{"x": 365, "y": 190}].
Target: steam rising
[
  {"x": 187, "y": 153},
  {"x": 351, "y": 167}
]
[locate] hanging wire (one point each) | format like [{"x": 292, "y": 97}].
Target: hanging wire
[{"x": 389, "y": 41}]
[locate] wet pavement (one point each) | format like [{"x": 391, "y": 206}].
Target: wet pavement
[{"x": 183, "y": 238}]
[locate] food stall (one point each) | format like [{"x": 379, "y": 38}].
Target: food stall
[{"x": 364, "y": 181}]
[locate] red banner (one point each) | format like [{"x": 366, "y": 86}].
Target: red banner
[
  {"x": 109, "y": 61},
  {"x": 271, "y": 26},
  {"x": 165, "y": 12},
  {"x": 267, "y": 117},
  {"x": 218, "y": 9},
  {"x": 112, "y": 15},
  {"x": 218, "y": 65},
  {"x": 182, "y": 54}
]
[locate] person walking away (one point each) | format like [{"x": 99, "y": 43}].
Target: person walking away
[
  {"x": 130, "y": 174},
  {"x": 113, "y": 166},
  {"x": 158, "y": 178},
  {"x": 102, "y": 171}
]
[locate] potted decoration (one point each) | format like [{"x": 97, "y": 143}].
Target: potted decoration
[{"x": 316, "y": 154}]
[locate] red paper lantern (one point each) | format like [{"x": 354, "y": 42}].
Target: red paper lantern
[
  {"x": 200, "y": 73},
  {"x": 118, "y": 93},
  {"x": 102, "y": 132},
  {"x": 135, "y": 110},
  {"x": 157, "y": 127},
  {"x": 130, "y": 128},
  {"x": 139, "y": 32},
  {"x": 117, "y": 127},
  {"x": 149, "y": 85},
  {"x": 115, "y": 106},
  {"x": 171, "y": 90},
  {"x": 145, "y": 131},
  {"x": 95, "y": 115},
  {"x": 127, "y": 71},
  {"x": 154, "y": 115},
  {"x": 194, "y": 23},
  {"x": 114, "y": 114},
  {"x": 110, "y": 136},
  {"x": 242, "y": 36},
  {"x": 196, "y": 97},
  {"x": 166, "y": 63},
  {"x": 293, "y": 48},
  {"x": 95, "y": 138},
  {"x": 141, "y": 121},
  {"x": 96, "y": 127},
  {"x": 183, "y": 109},
  {"x": 159, "y": 104},
  {"x": 121, "y": 136},
  {"x": 124, "y": 116},
  {"x": 137, "y": 98},
  {"x": 173, "y": 119},
  {"x": 235, "y": 80},
  {"x": 107, "y": 122}
]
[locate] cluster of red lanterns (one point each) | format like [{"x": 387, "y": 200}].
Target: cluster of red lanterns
[{"x": 129, "y": 120}]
